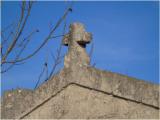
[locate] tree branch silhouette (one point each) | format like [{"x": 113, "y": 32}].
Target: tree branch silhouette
[{"x": 16, "y": 42}]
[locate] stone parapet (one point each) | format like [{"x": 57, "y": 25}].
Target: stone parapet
[{"x": 77, "y": 70}]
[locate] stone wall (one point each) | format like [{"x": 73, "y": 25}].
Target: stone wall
[
  {"x": 114, "y": 95},
  {"x": 80, "y": 102},
  {"x": 122, "y": 88}
]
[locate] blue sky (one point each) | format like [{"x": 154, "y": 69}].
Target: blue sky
[{"x": 125, "y": 36}]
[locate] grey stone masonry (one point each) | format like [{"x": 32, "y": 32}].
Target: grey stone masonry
[
  {"x": 76, "y": 40},
  {"x": 120, "y": 91}
]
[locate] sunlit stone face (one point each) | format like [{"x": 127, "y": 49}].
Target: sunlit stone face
[{"x": 76, "y": 40}]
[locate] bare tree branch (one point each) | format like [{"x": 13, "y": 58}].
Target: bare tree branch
[
  {"x": 91, "y": 50},
  {"x": 58, "y": 58},
  {"x": 7, "y": 27},
  {"x": 91, "y": 53},
  {"x": 19, "y": 29},
  {"x": 23, "y": 46},
  {"x": 39, "y": 78},
  {"x": 14, "y": 42},
  {"x": 46, "y": 39}
]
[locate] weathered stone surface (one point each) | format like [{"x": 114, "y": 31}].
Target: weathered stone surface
[
  {"x": 14, "y": 100},
  {"x": 76, "y": 39},
  {"x": 78, "y": 34},
  {"x": 79, "y": 102},
  {"x": 92, "y": 78},
  {"x": 81, "y": 91},
  {"x": 24, "y": 101},
  {"x": 119, "y": 85}
]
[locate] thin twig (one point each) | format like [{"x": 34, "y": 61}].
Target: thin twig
[
  {"x": 57, "y": 59},
  {"x": 27, "y": 40},
  {"x": 20, "y": 28},
  {"x": 46, "y": 40},
  {"x": 39, "y": 78}
]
